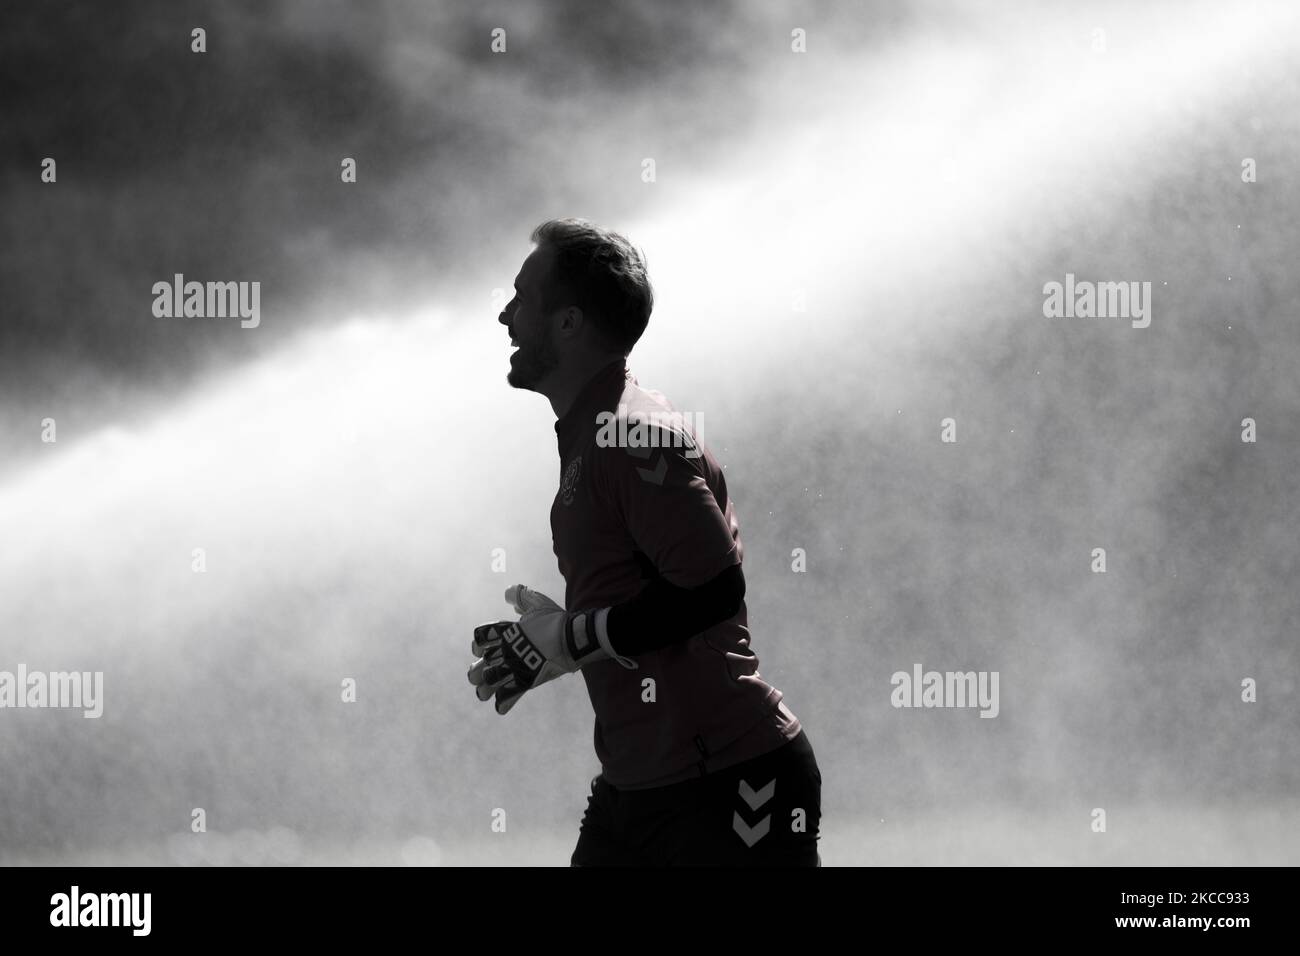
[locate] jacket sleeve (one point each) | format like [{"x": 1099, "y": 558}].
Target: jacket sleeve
[{"x": 663, "y": 499}]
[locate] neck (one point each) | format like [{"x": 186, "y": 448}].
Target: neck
[{"x": 564, "y": 393}]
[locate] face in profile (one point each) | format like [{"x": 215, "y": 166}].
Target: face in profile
[{"x": 530, "y": 325}]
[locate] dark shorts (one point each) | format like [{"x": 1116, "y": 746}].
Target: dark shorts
[{"x": 763, "y": 812}]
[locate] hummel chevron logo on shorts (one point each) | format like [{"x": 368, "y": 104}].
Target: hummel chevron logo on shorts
[{"x": 755, "y": 799}]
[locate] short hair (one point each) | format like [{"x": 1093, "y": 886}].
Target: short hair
[{"x": 603, "y": 274}]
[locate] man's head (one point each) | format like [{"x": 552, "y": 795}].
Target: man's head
[{"x": 582, "y": 299}]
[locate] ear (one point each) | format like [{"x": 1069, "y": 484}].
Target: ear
[{"x": 571, "y": 320}]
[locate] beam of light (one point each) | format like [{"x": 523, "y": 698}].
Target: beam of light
[{"x": 925, "y": 164}]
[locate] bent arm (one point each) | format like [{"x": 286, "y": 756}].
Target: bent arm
[{"x": 664, "y": 614}]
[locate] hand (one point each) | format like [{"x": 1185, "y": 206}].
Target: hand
[{"x": 545, "y": 643}]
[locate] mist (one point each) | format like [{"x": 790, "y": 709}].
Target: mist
[{"x": 848, "y": 247}]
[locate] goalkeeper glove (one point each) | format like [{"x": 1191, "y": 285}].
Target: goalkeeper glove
[{"x": 545, "y": 643}]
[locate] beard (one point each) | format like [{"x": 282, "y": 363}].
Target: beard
[{"x": 531, "y": 363}]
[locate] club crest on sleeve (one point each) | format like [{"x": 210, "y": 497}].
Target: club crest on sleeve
[{"x": 569, "y": 483}]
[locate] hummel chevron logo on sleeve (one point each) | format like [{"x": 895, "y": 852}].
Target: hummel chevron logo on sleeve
[{"x": 655, "y": 477}]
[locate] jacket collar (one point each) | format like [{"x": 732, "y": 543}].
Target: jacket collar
[{"x": 599, "y": 394}]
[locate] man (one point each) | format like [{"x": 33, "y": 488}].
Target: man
[{"x": 701, "y": 760}]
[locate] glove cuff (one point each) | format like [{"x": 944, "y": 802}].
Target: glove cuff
[
  {"x": 586, "y": 638},
  {"x": 602, "y": 636}
]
